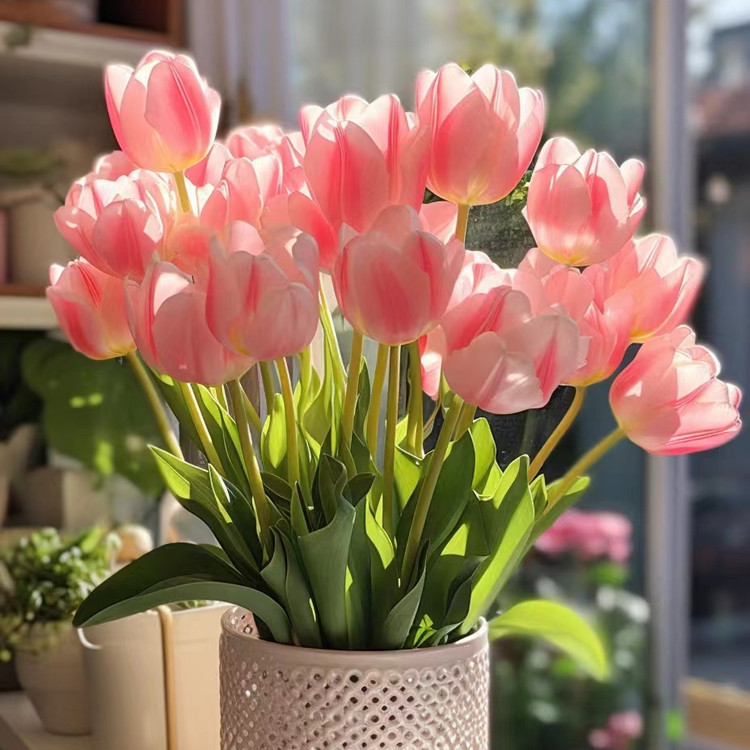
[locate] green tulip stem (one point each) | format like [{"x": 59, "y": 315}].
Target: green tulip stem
[
  {"x": 200, "y": 427},
  {"x": 157, "y": 405},
  {"x": 250, "y": 411},
  {"x": 179, "y": 179},
  {"x": 376, "y": 396},
  {"x": 305, "y": 377},
  {"x": 466, "y": 421},
  {"x": 237, "y": 395},
  {"x": 462, "y": 222},
  {"x": 584, "y": 463},
  {"x": 424, "y": 499},
  {"x": 268, "y": 390},
  {"x": 290, "y": 420},
  {"x": 415, "y": 426},
  {"x": 389, "y": 456},
  {"x": 352, "y": 387},
  {"x": 221, "y": 396},
  {"x": 558, "y": 433},
  {"x": 329, "y": 334}
]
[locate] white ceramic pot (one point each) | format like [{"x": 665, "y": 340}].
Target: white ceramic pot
[
  {"x": 50, "y": 670},
  {"x": 275, "y": 696},
  {"x": 125, "y": 669}
]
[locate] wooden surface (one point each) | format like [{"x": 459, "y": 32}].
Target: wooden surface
[
  {"x": 20, "y": 728},
  {"x": 720, "y": 713}
]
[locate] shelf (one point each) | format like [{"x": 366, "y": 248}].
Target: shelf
[
  {"x": 25, "y": 308},
  {"x": 20, "y": 728}
]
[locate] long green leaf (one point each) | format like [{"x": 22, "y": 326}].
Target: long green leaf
[
  {"x": 558, "y": 626},
  {"x": 175, "y": 573}
]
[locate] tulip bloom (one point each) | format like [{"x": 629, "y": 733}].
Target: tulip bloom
[
  {"x": 394, "y": 282},
  {"x": 167, "y": 314},
  {"x": 90, "y": 307},
  {"x": 583, "y": 208},
  {"x": 119, "y": 225},
  {"x": 501, "y": 357},
  {"x": 263, "y": 295},
  {"x": 484, "y": 131},
  {"x": 360, "y": 158},
  {"x": 164, "y": 115},
  {"x": 662, "y": 284},
  {"x": 669, "y": 400}
]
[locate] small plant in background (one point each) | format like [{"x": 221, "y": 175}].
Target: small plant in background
[
  {"x": 46, "y": 576},
  {"x": 547, "y": 701}
]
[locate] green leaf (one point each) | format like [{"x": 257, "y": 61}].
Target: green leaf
[
  {"x": 358, "y": 592},
  {"x": 357, "y": 487},
  {"x": 487, "y": 473},
  {"x": 508, "y": 520},
  {"x": 299, "y": 599},
  {"x": 328, "y": 487},
  {"x": 566, "y": 501},
  {"x": 193, "y": 490},
  {"x": 400, "y": 619},
  {"x": 406, "y": 472},
  {"x": 559, "y": 626},
  {"x": 363, "y": 399},
  {"x": 383, "y": 571},
  {"x": 94, "y": 412},
  {"x": 273, "y": 446},
  {"x": 175, "y": 573},
  {"x": 325, "y": 554}
]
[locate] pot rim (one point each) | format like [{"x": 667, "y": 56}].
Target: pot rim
[{"x": 289, "y": 651}]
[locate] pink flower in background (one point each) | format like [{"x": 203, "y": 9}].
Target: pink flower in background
[
  {"x": 583, "y": 208},
  {"x": 484, "y": 131},
  {"x": 111, "y": 166},
  {"x": 621, "y": 732},
  {"x": 263, "y": 293},
  {"x": 90, "y": 307},
  {"x": 589, "y": 536},
  {"x": 163, "y": 113},
  {"x": 501, "y": 357},
  {"x": 118, "y": 225},
  {"x": 394, "y": 282},
  {"x": 210, "y": 169},
  {"x": 167, "y": 315},
  {"x": 663, "y": 284},
  {"x": 360, "y": 158},
  {"x": 669, "y": 399}
]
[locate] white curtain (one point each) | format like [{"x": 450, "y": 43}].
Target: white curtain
[{"x": 270, "y": 56}]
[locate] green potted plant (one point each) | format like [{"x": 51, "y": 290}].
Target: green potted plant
[{"x": 45, "y": 578}]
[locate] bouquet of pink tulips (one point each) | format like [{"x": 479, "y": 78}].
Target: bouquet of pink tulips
[{"x": 205, "y": 260}]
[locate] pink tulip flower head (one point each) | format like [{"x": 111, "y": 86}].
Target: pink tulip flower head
[
  {"x": 501, "y": 357},
  {"x": 484, "y": 131},
  {"x": 662, "y": 284},
  {"x": 90, "y": 307},
  {"x": 163, "y": 113},
  {"x": 118, "y": 225},
  {"x": 209, "y": 170},
  {"x": 394, "y": 282},
  {"x": 604, "y": 328},
  {"x": 111, "y": 166},
  {"x": 167, "y": 314},
  {"x": 669, "y": 399},
  {"x": 583, "y": 208},
  {"x": 361, "y": 157},
  {"x": 263, "y": 293}
]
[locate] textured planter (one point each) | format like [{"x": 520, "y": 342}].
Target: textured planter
[
  {"x": 125, "y": 667},
  {"x": 275, "y": 696},
  {"x": 50, "y": 670}
]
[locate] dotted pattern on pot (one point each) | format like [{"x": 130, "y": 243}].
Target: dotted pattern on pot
[{"x": 269, "y": 702}]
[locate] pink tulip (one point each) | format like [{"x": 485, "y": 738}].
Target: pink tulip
[
  {"x": 360, "y": 158},
  {"x": 263, "y": 294},
  {"x": 669, "y": 399},
  {"x": 583, "y": 208},
  {"x": 111, "y": 166},
  {"x": 484, "y": 131},
  {"x": 253, "y": 141},
  {"x": 503, "y": 358},
  {"x": 163, "y": 113},
  {"x": 118, "y": 225},
  {"x": 246, "y": 186},
  {"x": 439, "y": 218},
  {"x": 394, "y": 282},
  {"x": 604, "y": 327},
  {"x": 210, "y": 169},
  {"x": 620, "y": 733},
  {"x": 662, "y": 284},
  {"x": 478, "y": 274},
  {"x": 167, "y": 314},
  {"x": 90, "y": 307}
]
